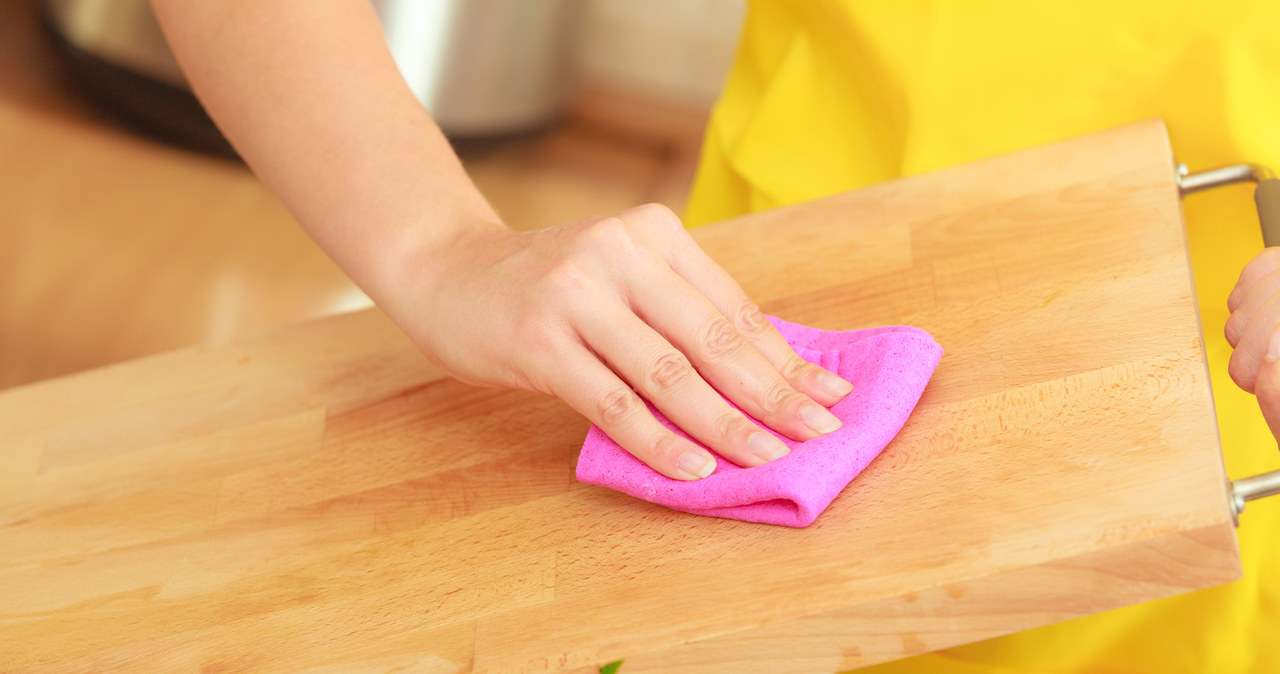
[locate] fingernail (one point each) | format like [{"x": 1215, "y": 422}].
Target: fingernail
[
  {"x": 766, "y": 446},
  {"x": 819, "y": 419},
  {"x": 833, "y": 385},
  {"x": 697, "y": 464},
  {"x": 1273, "y": 347}
]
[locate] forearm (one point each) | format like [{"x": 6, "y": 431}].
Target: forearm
[
  {"x": 308, "y": 94},
  {"x": 591, "y": 312}
]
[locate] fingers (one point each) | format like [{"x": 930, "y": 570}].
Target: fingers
[
  {"x": 1255, "y": 316},
  {"x": 1247, "y": 307},
  {"x": 675, "y": 342},
  {"x": 1267, "y": 387},
  {"x": 725, "y": 359},
  {"x": 1260, "y": 266},
  {"x": 712, "y": 281},
  {"x": 1253, "y": 330},
  {"x": 1253, "y": 344},
  {"x": 592, "y": 389},
  {"x": 664, "y": 376}
]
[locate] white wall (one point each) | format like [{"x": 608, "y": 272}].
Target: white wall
[{"x": 677, "y": 50}]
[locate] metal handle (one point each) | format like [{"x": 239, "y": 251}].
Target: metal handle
[
  {"x": 1267, "y": 198},
  {"x": 1266, "y": 195},
  {"x": 1251, "y": 489}
]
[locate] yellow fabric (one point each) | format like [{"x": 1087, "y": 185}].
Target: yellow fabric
[{"x": 830, "y": 95}]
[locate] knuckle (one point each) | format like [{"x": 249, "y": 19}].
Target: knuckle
[
  {"x": 664, "y": 446},
  {"x": 657, "y": 213},
  {"x": 609, "y": 236},
  {"x": 565, "y": 277},
  {"x": 795, "y": 367},
  {"x": 727, "y": 425},
  {"x": 751, "y": 320},
  {"x": 669, "y": 371},
  {"x": 658, "y": 218},
  {"x": 1231, "y": 329},
  {"x": 618, "y": 406},
  {"x": 719, "y": 339},
  {"x": 776, "y": 397},
  {"x": 1240, "y": 372}
]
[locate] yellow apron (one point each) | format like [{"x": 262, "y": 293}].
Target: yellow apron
[{"x": 830, "y": 95}]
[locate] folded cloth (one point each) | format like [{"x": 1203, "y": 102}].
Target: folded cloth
[{"x": 888, "y": 367}]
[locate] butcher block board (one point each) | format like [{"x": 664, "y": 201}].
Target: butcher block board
[{"x": 322, "y": 499}]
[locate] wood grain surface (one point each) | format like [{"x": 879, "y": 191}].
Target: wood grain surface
[{"x": 321, "y": 499}]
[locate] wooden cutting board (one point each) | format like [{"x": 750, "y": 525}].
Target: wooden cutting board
[{"x": 322, "y": 499}]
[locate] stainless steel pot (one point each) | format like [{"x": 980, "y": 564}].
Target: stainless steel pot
[{"x": 482, "y": 67}]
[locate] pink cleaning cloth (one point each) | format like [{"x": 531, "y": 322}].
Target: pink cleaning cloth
[{"x": 888, "y": 367}]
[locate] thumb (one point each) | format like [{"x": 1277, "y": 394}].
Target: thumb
[{"x": 1267, "y": 387}]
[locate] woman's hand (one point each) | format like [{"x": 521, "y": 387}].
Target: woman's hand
[
  {"x": 597, "y": 311},
  {"x": 309, "y": 95},
  {"x": 1253, "y": 330}
]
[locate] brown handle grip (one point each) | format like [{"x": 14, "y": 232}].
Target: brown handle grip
[{"x": 1267, "y": 197}]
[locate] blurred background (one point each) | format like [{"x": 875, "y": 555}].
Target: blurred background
[{"x": 128, "y": 228}]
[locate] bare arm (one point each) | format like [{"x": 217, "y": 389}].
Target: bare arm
[
  {"x": 598, "y": 313},
  {"x": 310, "y": 97}
]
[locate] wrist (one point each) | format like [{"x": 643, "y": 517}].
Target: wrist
[{"x": 425, "y": 254}]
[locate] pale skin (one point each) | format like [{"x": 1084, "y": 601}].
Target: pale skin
[
  {"x": 599, "y": 313},
  {"x": 1253, "y": 330}
]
